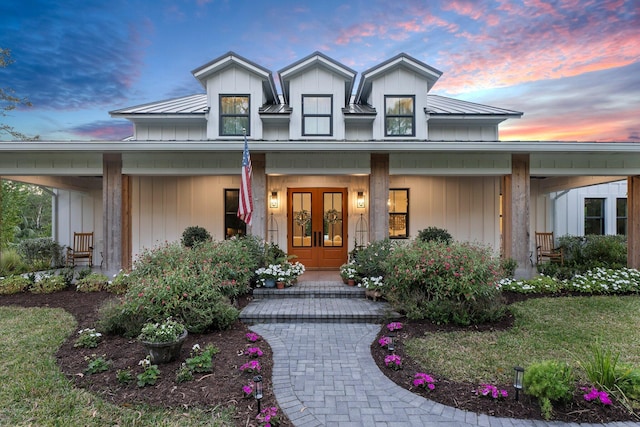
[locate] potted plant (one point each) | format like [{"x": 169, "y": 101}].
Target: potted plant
[
  {"x": 163, "y": 341},
  {"x": 348, "y": 273},
  {"x": 267, "y": 275},
  {"x": 374, "y": 287}
]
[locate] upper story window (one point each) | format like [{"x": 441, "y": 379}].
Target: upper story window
[
  {"x": 234, "y": 115},
  {"x": 399, "y": 115},
  {"x": 316, "y": 115}
]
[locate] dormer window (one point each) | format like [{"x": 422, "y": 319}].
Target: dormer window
[
  {"x": 316, "y": 115},
  {"x": 234, "y": 115},
  {"x": 399, "y": 115}
]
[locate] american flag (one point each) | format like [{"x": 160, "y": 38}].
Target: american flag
[{"x": 245, "y": 207}]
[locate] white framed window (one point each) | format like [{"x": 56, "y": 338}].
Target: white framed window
[{"x": 594, "y": 215}]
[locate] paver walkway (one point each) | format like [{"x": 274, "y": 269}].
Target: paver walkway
[{"x": 324, "y": 375}]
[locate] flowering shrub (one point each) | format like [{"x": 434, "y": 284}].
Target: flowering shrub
[
  {"x": 594, "y": 394},
  {"x": 393, "y": 361},
  {"x": 96, "y": 364},
  {"x": 491, "y": 391},
  {"x": 539, "y": 284},
  {"x": 369, "y": 259},
  {"x": 13, "y": 284},
  {"x": 252, "y": 336},
  {"x": 251, "y": 366},
  {"x": 268, "y": 417},
  {"x": 424, "y": 380},
  {"x": 284, "y": 272},
  {"x": 47, "y": 284},
  {"x": 88, "y": 338},
  {"x": 394, "y": 326},
  {"x": 194, "y": 285},
  {"x": 119, "y": 284},
  {"x": 445, "y": 283},
  {"x": 254, "y": 352}
]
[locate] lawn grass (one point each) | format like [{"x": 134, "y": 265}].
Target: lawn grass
[
  {"x": 545, "y": 328},
  {"x": 35, "y": 392}
]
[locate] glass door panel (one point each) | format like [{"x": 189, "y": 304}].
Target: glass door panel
[
  {"x": 302, "y": 220},
  {"x": 333, "y": 223}
]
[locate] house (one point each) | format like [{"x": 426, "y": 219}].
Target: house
[{"x": 335, "y": 165}]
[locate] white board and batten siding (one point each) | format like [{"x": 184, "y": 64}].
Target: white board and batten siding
[
  {"x": 79, "y": 212},
  {"x": 317, "y": 81},
  {"x": 145, "y": 131},
  {"x": 162, "y": 207},
  {"x": 234, "y": 81},
  {"x": 399, "y": 82}
]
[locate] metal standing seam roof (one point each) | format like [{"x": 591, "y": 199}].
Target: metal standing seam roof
[
  {"x": 192, "y": 104},
  {"x": 443, "y": 106},
  {"x": 197, "y": 104}
]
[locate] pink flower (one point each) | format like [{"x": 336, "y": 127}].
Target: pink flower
[
  {"x": 251, "y": 366},
  {"x": 394, "y": 326},
  {"x": 595, "y": 394},
  {"x": 384, "y": 341},
  {"x": 423, "y": 380},
  {"x": 254, "y": 352},
  {"x": 253, "y": 337}
]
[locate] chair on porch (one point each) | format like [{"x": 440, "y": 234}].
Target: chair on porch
[
  {"x": 546, "y": 248},
  {"x": 82, "y": 249}
]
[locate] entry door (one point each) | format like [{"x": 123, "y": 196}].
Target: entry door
[{"x": 317, "y": 226}]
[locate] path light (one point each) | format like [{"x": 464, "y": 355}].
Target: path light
[
  {"x": 517, "y": 379},
  {"x": 392, "y": 345},
  {"x": 257, "y": 380}
]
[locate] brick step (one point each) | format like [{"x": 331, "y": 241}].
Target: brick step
[{"x": 311, "y": 290}]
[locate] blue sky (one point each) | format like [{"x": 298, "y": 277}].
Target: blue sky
[{"x": 573, "y": 67}]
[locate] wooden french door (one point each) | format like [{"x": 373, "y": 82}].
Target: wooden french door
[{"x": 317, "y": 226}]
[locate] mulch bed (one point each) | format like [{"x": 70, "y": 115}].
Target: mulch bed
[{"x": 223, "y": 386}]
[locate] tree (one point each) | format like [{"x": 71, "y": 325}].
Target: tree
[{"x": 9, "y": 101}]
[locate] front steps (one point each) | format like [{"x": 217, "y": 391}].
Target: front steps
[{"x": 315, "y": 301}]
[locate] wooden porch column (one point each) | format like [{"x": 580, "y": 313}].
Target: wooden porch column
[
  {"x": 112, "y": 211},
  {"x": 259, "y": 193},
  {"x": 516, "y": 198},
  {"x": 633, "y": 222},
  {"x": 378, "y": 197}
]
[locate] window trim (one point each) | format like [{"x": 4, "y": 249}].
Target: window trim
[
  {"x": 221, "y": 116},
  {"x": 330, "y": 115},
  {"x": 398, "y": 214},
  {"x": 387, "y": 116}
]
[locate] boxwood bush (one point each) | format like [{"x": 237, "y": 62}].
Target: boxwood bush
[
  {"x": 444, "y": 282},
  {"x": 194, "y": 285}
]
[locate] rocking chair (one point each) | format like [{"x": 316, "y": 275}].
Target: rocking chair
[
  {"x": 82, "y": 249},
  {"x": 546, "y": 249}
]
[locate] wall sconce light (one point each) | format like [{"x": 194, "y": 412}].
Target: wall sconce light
[
  {"x": 517, "y": 379},
  {"x": 273, "y": 200},
  {"x": 360, "y": 200}
]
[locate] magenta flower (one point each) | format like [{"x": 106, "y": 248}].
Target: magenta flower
[
  {"x": 254, "y": 352},
  {"x": 394, "y": 326},
  {"x": 251, "y": 366},
  {"x": 424, "y": 380},
  {"x": 595, "y": 394},
  {"x": 393, "y": 361},
  {"x": 491, "y": 391},
  {"x": 248, "y": 389},
  {"x": 253, "y": 337},
  {"x": 384, "y": 341}
]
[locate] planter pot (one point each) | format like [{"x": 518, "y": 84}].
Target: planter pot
[
  {"x": 351, "y": 282},
  {"x": 280, "y": 285},
  {"x": 164, "y": 352},
  {"x": 269, "y": 283},
  {"x": 373, "y": 294},
  {"x": 345, "y": 280}
]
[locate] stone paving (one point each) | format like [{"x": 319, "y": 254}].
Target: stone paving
[{"x": 324, "y": 375}]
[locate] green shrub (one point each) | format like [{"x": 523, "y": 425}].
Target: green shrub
[
  {"x": 509, "y": 266},
  {"x": 585, "y": 253},
  {"x": 190, "y": 285},
  {"x": 47, "y": 284},
  {"x": 42, "y": 253},
  {"x": 434, "y": 234},
  {"x": 549, "y": 381},
  {"x": 11, "y": 262},
  {"x": 444, "y": 283},
  {"x": 370, "y": 258},
  {"x": 93, "y": 282},
  {"x": 119, "y": 284},
  {"x": 602, "y": 370},
  {"x": 195, "y": 235},
  {"x": 539, "y": 284},
  {"x": 628, "y": 381},
  {"x": 13, "y": 285}
]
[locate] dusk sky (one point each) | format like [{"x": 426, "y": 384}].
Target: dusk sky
[{"x": 572, "y": 67}]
